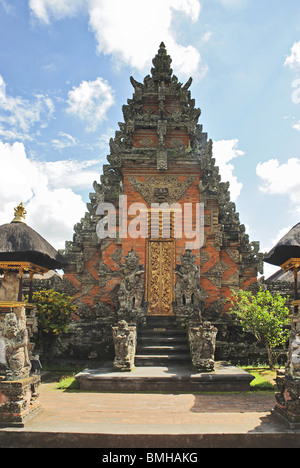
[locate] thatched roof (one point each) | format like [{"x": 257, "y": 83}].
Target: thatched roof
[
  {"x": 288, "y": 247},
  {"x": 283, "y": 276},
  {"x": 19, "y": 242}
]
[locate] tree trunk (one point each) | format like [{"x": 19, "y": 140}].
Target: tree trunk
[{"x": 270, "y": 357}]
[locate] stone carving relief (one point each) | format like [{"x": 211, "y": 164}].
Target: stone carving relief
[
  {"x": 131, "y": 292},
  {"x": 174, "y": 189},
  {"x": 124, "y": 337},
  {"x": 10, "y": 287},
  {"x": 204, "y": 257},
  {"x": 15, "y": 340},
  {"x": 162, "y": 160},
  {"x": 188, "y": 295},
  {"x": 202, "y": 340},
  {"x": 215, "y": 274}
]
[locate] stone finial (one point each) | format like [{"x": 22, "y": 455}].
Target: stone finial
[{"x": 162, "y": 70}]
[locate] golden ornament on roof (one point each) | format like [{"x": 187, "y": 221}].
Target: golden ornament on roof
[{"x": 20, "y": 213}]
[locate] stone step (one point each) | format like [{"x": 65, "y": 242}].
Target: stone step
[
  {"x": 163, "y": 331},
  {"x": 164, "y": 340},
  {"x": 161, "y": 360},
  {"x": 159, "y": 320},
  {"x": 176, "y": 378},
  {"x": 162, "y": 349},
  {"x": 162, "y": 344}
]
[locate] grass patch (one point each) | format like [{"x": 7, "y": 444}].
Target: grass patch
[
  {"x": 63, "y": 376},
  {"x": 263, "y": 378},
  {"x": 67, "y": 382}
]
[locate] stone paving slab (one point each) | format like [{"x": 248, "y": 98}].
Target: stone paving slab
[{"x": 131, "y": 420}]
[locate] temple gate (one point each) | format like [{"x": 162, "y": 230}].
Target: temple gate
[{"x": 159, "y": 155}]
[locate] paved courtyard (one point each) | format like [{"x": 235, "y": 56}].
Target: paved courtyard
[{"x": 131, "y": 420}]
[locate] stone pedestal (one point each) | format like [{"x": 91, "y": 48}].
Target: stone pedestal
[
  {"x": 19, "y": 401},
  {"x": 202, "y": 340},
  {"x": 125, "y": 345},
  {"x": 288, "y": 400},
  {"x": 18, "y": 388}
]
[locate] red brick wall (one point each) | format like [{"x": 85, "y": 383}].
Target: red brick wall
[{"x": 215, "y": 255}]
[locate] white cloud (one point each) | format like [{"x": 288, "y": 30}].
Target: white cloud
[
  {"x": 281, "y": 179},
  {"x": 296, "y": 126},
  {"x": 296, "y": 93},
  {"x": 46, "y": 189},
  {"x": 131, "y": 30},
  {"x": 2, "y": 89},
  {"x": 7, "y": 8},
  {"x": 90, "y": 102},
  {"x": 293, "y": 60},
  {"x": 70, "y": 173},
  {"x": 151, "y": 22},
  {"x": 268, "y": 268},
  {"x": 224, "y": 151},
  {"x": 64, "y": 141},
  {"x": 58, "y": 9},
  {"x": 18, "y": 115},
  {"x": 232, "y": 3}
]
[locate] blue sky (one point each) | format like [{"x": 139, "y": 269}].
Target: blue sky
[{"x": 64, "y": 76}]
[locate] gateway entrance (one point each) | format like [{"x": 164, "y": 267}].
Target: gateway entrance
[{"x": 160, "y": 277}]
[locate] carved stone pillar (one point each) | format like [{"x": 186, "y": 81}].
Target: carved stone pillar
[
  {"x": 18, "y": 389},
  {"x": 124, "y": 337},
  {"x": 15, "y": 344},
  {"x": 288, "y": 381}
]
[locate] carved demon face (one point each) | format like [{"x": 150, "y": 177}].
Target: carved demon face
[
  {"x": 161, "y": 194},
  {"x": 11, "y": 326}
]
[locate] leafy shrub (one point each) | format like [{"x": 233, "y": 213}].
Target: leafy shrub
[
  {"x": 265, "y": 316},
  {"x": 54, "y": 313}
]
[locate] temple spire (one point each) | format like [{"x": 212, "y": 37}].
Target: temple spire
[{"x": 162, "y": 71}]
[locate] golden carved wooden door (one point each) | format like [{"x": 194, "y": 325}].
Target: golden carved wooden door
[{"x": 160, "y": 276}]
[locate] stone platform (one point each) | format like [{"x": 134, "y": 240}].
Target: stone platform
[
  {"x": 19, "y": 401},
  {"x": 134, "y": 423},
  {"x": 174, "y": 378}
]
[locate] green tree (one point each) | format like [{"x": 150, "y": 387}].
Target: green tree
[
  {"x": 265, "y": 316},
  {"x": 54, "y": 313}
]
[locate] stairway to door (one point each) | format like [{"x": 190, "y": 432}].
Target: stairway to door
[{"x": 162, "y": 344}]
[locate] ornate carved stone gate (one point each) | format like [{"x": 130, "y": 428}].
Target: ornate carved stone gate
[{"x": 160, "y": 154}]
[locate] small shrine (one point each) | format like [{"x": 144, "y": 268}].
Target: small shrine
[
  {"x": 22, "y": 251},
  {"x": 286, "y": 254}
]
